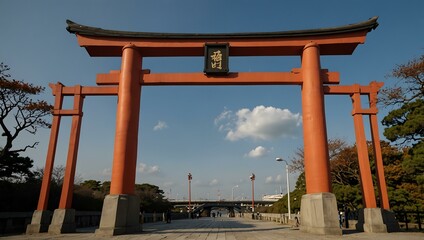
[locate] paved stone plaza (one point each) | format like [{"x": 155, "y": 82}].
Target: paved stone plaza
[{"x": 222, "y": 228}]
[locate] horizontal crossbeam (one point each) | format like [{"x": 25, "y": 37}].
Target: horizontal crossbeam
[
  {"x": 374, "y": 87},
  {"x": 86, "y": 91},
  {"x": 279, "y": 78},
  {"x": 242, "y": 78}
]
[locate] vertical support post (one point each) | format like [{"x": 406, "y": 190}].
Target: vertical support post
[
  {"x": 363, "y": 158},
  {"x": 127, "y": 117},
  {"x": 382, "y": 188},
  {"x": 41, "y": 217},
  {"x": 381, "y": 181},
  {"x": 317, "y": 166},
  {"x": 121, "y": 207},
  {"x": 51, "y": 152},
  {"x": 68, "y": 181},
  {"x": 64, "y": 218},
  {"x": 319, "y": 212},
  {"x": 370, "y": 218}
]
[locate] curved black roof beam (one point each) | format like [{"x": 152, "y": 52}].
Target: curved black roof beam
[{"x": 83, "y": 30}]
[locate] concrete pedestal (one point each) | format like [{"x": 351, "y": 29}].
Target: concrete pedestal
[
  {"x": 40, "y": 222},
  {"x": 319, "y": 214},
  {"x": 390, "y": 220},
  {"x": 63, "y": 221},
  {"x": 120, "y": 215},
  {"x": 376, "y": 220}
]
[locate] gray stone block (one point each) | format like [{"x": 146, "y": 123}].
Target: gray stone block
[
  {"x": 376, "y": 220},
  {"x": 40, "y": 222},
  {"x": 120, "y": 215},
  {"x": 390, "y": 220},
  {"x": 63, "y": 221},
  {"x": 319, "y": 214}
]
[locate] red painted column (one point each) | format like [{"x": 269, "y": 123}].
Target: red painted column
[
  {"x": 51, "y": 152},
  {"x": 363, "y": 158},
  {"x": 127, "y": 118},
  {"x": 381, "y": 181},
  {"x": 189, "y": 194},
  {"x": 317, "y": 166},
  {"x": 71, "y": 162},
  {"x": 382, "y": 188},
  {"x": 253, "y": 195}
]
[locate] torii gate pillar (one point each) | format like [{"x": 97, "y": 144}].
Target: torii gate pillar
[
  {"x": 318, "y": 206},
  {"x": 121, "y": 208}
]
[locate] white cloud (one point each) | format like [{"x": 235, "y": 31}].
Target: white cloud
[
  {"x": 278, "y": 178},
  {"x": 141, "y": 167},
  {"x": 261, "y": 123},
  {"x": 274, "y": 180},
  {"x": 160, "y": 126},
  {"x": 224, "y": 115},
  {"x": 268, "y": 179},
  {"x": 153, "y": 169},
  {"x": 258, "y": 152},
  {"x": 106, "y": 172},
  {"x": 225, "y": 120},
  {"x": 144, "y": 168},
  {"x": 214, "y": 182}
]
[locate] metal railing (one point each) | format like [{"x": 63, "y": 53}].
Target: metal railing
[
  {"x": 410, "y": 220},
  {"x": 16, "y": 222}
]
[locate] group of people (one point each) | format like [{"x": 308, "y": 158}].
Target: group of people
[{"x": 218, "y": 214}]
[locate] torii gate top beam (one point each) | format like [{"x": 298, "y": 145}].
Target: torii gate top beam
[{"x": 332, "y": 41}]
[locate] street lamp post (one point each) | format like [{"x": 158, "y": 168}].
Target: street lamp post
[
  {"x": 232, "y": 192},
  {"x": 252, "y": 178},
  {"x": 288, "y": 184},
  {"x": 189, "y": 194}
]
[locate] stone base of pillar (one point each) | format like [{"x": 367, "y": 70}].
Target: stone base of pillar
[
  {"x": 120, "y": 215},
  {"x": 376, "y": 220},
  {"x": 319, "y": 214},
  {"x": 63, "y": 221},
  {"x": 390, "y": 220},
  {"x": 40, "y": 222}
]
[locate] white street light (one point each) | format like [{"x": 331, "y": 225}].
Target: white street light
[
  {"x": 232, "y": 192},
  {"x": 288, "y": 184}
]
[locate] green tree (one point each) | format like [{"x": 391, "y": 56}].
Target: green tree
[
  {"x": 405, "y": 126},
  {"x": 345, "y": 177},
  {"x": 348, "y": 196},
  {"x": 335, "y": 145},
  {"x": 402, "y": 177},
  {"x": 344, "y": 166},
  {"x": 19, "y": 112},
  {"x": 105, "y": 188},
  {"x": 15, "y": 168},
  {"x": 409, "y": 85},
  {"x": 91, "y": 184},
  {"x": 87, "y": 196},
  {"x": 151, "y": 198}
]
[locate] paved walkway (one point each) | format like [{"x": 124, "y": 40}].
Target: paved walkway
[{"x": 221, "y": 229}]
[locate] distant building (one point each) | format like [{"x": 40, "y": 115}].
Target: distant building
[{"x": 273, "y": 198}]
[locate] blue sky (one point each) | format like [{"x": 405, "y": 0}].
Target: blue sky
[{"x": 208, "y": 131}]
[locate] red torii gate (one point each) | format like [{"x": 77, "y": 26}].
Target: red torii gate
[{"x": 120, "y": 210}]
